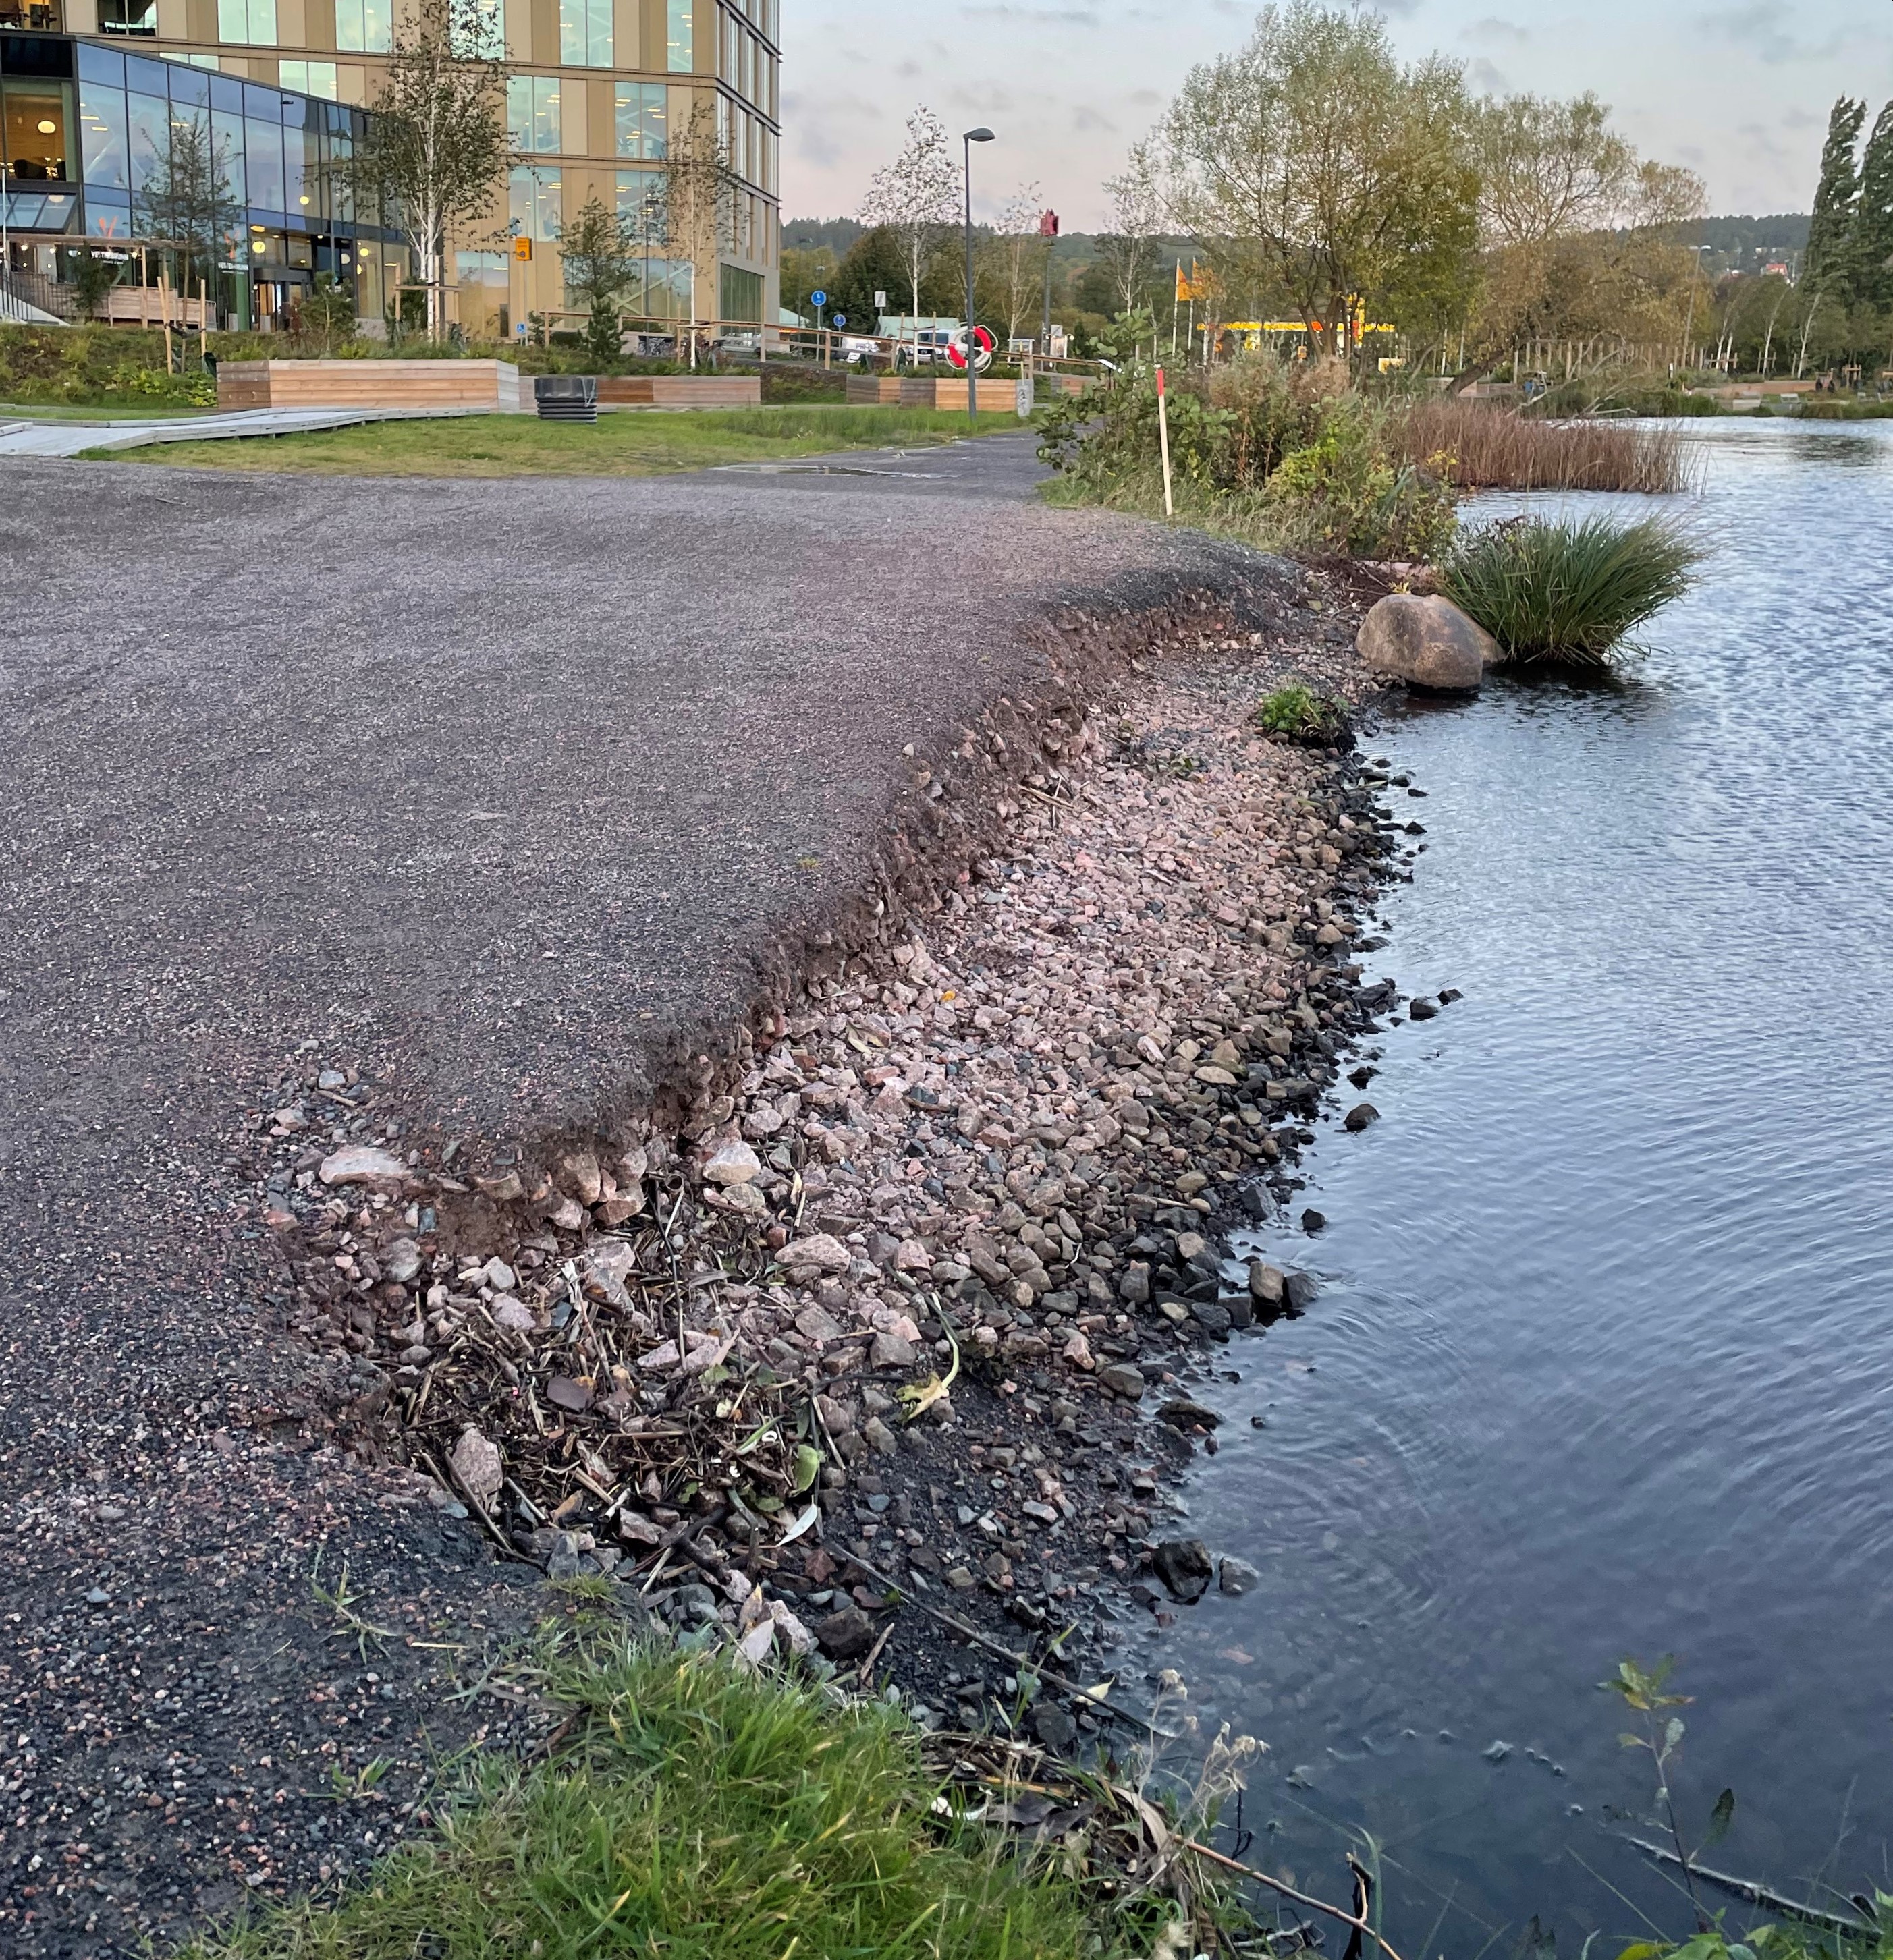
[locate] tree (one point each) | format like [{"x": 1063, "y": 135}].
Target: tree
[
  {"x": 1547, "y": 168},
  {"x": 1830, "y": 233},
  {"x": 187, "y": 203},
  {"x": 1873, "y": 254},
  {"x": 93, "y": 278},
  {"x": 1128, "y": 248},
  {"x": 1015, "y": 254},
  {"x": 1311, "y": 165},
  {"x": 600, "y": 248},
  {"x": 916, "y": 199},
  {"x": 699, "y": 208},
  {"x": 436, "y": 149}
]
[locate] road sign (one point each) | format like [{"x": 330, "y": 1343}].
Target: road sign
[
  {"x": 522, "y": 248},
  {"x": 881, "y": 303},
  {"x": 841, "y": 319},
  {"x": 818, "y": 297}
]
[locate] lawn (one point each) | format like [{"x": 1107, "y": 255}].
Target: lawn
[{"x": 634, "y": 443}]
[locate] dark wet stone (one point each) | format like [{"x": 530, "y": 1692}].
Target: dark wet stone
[{"x": 1185, "y": 1566}]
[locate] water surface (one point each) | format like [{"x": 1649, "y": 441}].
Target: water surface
[{"x": 1605, "y": 1362}]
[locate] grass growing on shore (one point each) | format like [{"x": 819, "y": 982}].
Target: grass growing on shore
[
  {"x": 705, "y": 1813},
  {"x": 1567, "y": 592},
  {"x": 1493, "y": 448},
  {"x": 619, "y": 443}
]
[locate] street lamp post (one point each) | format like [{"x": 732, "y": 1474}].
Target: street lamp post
[{"x": 971, "y": 137}]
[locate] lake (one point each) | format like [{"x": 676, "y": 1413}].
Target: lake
[{"x": 1603, "y": 1362}]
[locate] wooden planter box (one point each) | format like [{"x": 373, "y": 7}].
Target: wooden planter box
[
  {"x": 492, "y": 386},
  {"x": 907, "y": 391},
  {"x": 679, "y": 391}
]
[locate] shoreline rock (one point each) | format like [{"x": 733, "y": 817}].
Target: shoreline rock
[{"x": 966, "y": 1205}]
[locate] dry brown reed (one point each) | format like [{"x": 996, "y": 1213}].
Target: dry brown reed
[{"x": 1495, "y": 449}]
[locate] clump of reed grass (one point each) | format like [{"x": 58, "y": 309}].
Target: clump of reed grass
[
  {"x": 1568, "y": 592},
  {"x": 1495, "y": 449}
]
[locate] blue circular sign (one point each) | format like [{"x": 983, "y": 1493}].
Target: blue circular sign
[
  {"x": 841, "y": 319},
  {"x": 818, "y": 297}
]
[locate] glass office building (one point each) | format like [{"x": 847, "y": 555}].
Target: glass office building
[{"x": 91, "y": 128}]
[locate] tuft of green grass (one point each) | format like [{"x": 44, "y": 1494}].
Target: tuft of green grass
[
  {"x": 1568, "y": 592},
  {"x": 700, "y": 1812},
  {"x": 1298, "y": 713}
]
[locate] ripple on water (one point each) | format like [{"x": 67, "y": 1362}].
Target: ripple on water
[{"x": 1605, "y": 1361}]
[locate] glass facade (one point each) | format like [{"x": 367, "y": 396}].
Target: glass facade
[
  {"x": 121, "y": 123},
  {"x": 640, "y": 107},
  {"x": 680, "y": 35},
  {"x": 584, "y": 33},
  {"x": 534, "y": 203},
  {"x": 364, "y": 27},
  {"x": 533, "y": 120}
]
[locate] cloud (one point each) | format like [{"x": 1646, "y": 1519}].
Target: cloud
[
  {"x": 1056, "y": 17},
  {"x": 1488, "y": 80},
  {"x": 1496, "y": 33},
  {"x": 1763, "y": 27},
  {"x": 1084, "y": 119}
]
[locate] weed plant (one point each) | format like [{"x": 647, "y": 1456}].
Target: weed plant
[
  {"x": 1298, "y": 713},
  {"x": 1568, "y": 592}
]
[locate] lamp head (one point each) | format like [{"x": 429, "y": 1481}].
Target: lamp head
[{"x": 979, "y": 136}]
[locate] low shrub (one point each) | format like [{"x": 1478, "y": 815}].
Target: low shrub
[
  {"x": 1284, "y": 456},
  {"x": 1568, "y": 592}
]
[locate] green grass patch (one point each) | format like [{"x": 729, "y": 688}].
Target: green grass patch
[
  {"x": 700, "y": 1812},
  {"x": 1565, "y": 592},
  {"x": 621, "y": 443}
]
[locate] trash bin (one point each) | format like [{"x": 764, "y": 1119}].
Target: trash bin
[{"x": 566, "y": 398}]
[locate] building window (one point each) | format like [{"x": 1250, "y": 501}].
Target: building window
[
  {"x": 584, "y": 33},
  {"x": 484, "y": 278},
  {"x": 681, "y": 37},
  {"x": 641, "y": 119},
  {"x": 740, "y": 297},
  {"x": 310, "y": 77},
  {"x": 365, "y": 26},
  {"x": 532, "y": 113},
  {"x": 534, "y": 204},
  {"x": 247, "y": 23},
  {"x": 482, "y": 36},
  {"x": 128, "y": 17}
]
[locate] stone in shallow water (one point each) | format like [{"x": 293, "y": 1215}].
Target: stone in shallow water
[{"x": 1427, "y": 642}]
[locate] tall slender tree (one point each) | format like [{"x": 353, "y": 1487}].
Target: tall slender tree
[
  {"x": 437, "y": 146},
  {"x": 1872, "y": 253},
  {"x": 1827, "y": 266},
  {"x": 700, "y": 189},
  {"x": 916, "y": 197}
]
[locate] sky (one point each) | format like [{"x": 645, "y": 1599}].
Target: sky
[{"x": 1738, "y": 91}]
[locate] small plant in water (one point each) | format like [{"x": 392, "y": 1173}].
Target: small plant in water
[
  {"x": 1660, "y": 1733},
  {"x": 1568, "y": 592},
  {"x": 1298, "y": 713}
]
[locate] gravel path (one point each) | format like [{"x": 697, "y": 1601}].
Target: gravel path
[{"x": 499, "y": 786}]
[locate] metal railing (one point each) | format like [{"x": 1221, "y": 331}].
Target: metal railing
[{"x": 32, "y": 299}]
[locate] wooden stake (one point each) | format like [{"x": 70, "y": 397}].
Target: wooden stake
[{"x": 1163, "y": 440}]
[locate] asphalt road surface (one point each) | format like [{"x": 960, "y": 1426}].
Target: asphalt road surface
[{"x": 495, "y": 784}]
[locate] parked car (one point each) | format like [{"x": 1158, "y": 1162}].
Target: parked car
[{"x": 855, "y": 348}]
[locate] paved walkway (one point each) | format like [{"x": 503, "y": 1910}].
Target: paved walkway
[
  {"x": 499, "y": 787},
  {"x": 24, "y": 437}
]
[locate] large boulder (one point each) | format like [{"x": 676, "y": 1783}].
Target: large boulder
[{"x": 1426, "y": 642}]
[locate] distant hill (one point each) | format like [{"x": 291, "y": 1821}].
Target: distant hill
[
  {"x": 1743, "y": 244},
  {"x": 827, "y": 234}
]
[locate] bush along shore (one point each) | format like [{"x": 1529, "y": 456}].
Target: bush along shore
[{"x": 892, "y": 1325}]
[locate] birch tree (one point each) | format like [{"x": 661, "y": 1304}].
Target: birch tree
[
  {"x": 1017, "y": 255},
  {"x": 916, "y": 198},
  {"x": 436, "y": 149},
  {"x": 698, "y": 213},
  {"x": 1138, "y": 220}
]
